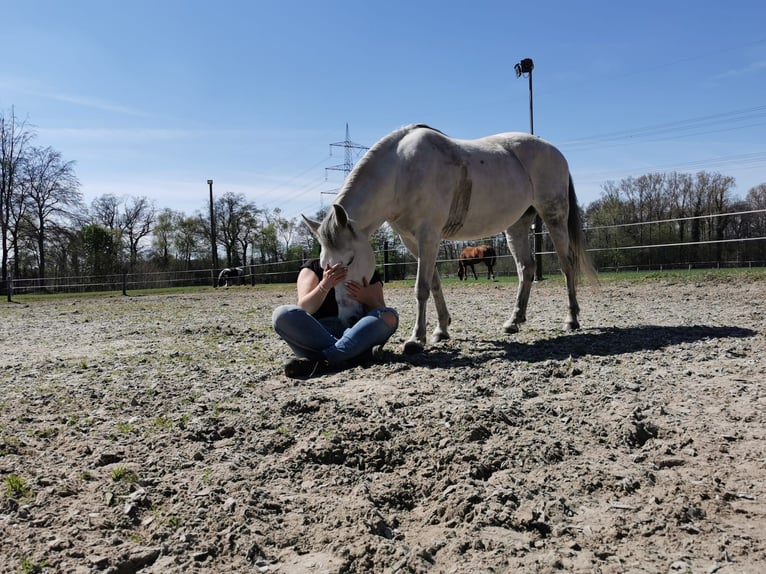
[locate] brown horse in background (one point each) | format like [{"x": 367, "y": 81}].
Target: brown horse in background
[{"x": 473, "y": 255}]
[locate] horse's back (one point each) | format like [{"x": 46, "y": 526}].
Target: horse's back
[{"x": 500, "y": 176}]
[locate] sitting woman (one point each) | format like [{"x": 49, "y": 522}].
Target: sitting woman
[{"x": 314, "y": 332}]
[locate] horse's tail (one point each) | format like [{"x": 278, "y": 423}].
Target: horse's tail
[
  {"x": 491, "y": 256},
  {"x": 583, "y": 264}
]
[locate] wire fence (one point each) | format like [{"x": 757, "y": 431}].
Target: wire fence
[{"x": 397, "y": 263}]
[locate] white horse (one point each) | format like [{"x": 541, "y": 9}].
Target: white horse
[{"x": 428, "y": 186}]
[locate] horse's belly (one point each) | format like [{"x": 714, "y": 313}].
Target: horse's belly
[{"x": 482, "y": 222}]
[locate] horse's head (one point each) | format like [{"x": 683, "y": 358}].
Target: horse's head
[{"x": 341, "y": 243}]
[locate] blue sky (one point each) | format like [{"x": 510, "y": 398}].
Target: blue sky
[{"x": 153, "y": 98}]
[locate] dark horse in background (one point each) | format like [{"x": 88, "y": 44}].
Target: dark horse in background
[
  {"x": 471, "y": 255},
  {"x": 231, "y": 276}
]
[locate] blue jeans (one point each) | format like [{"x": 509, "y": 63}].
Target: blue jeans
[{"x": 326, "y": 338}]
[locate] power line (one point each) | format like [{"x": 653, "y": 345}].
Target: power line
[
  {"x": 674, "y": 130},
  {"x": 748, "y": 160}
]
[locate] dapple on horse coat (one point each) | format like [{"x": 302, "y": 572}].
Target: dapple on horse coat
[
  {"x": 428, "y": 186},
  {"x": 471, "y": 256}
]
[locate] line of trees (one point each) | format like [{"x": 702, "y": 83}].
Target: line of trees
[
  {"x": 698, "y": 210},
  {"x": 48, "y": 232},
  {"x": 676, "y": 208}
]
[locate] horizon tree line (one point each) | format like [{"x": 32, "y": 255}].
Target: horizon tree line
[{"x": 46, "y": 230}]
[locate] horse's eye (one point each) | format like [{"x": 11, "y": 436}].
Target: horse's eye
[{"x": 350, "y": 262}]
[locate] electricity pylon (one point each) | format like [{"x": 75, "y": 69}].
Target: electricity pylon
[{"x": 348, "y": 164}]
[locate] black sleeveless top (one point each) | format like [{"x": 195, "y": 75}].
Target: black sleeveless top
[{"x": 329, "y": 307}]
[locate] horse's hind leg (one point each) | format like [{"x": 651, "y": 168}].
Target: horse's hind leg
[
  {"x": 518, "y": 242},
  {"x": 560, "y": 237}
]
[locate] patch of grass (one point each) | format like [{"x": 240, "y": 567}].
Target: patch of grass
[
  {"x": 173, "y": 521},
  {"x": 45, "y": 432},
  {"x": 735, "y": 274},
  {"x": 161, "y": 423},
  {"x": 76, "y": 421},
  {"x": 27, "y": 566},
  {"x": 9, "y": 445},
  {"x": 122, "y": 474},
  {"x": 16, "y": 487},
  {"x": 125, "y": 428}
]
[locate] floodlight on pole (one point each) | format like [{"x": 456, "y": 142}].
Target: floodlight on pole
[
  {"x": 213, "y": 248},
  {"x": 524, "y": 68}
]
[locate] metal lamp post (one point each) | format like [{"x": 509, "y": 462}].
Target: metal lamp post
[
  {"x": 214, "y": 250},
  {"x": 525, "y": 67}
]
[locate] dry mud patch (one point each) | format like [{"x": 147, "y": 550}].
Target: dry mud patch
[{"x": 158, "y": 434}]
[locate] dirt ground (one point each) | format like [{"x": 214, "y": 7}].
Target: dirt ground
[{"x": 157, "y": 434}]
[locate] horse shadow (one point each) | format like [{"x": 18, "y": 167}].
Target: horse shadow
[{"x": 597, "y": 341}]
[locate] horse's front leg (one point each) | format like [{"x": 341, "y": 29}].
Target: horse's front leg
[
  {"x": 518, "y": 243},
  {"x": 440, "y": 333},
  {"x": 416, "y": 342},
  {"x": 426, "y": 253}
]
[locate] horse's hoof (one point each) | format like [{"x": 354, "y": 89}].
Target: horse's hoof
[
  {"x": 413, "y": 347},
  {"x": 439, "y": 336},
  {"x": 571, "y": 326},
  {"x": 511, "y": 328}
]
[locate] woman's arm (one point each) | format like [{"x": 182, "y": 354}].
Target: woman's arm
[{"x": 312, "y": 291}]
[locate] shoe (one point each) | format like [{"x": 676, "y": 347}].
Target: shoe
[
  {"x": 374, "y": 355},
  {"x": 303, "y": 368},
  {"x": 378, "y": 353}
]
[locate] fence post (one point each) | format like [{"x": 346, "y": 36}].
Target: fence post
[
  {"x": 385, "y": 262},
  {"x": 9, "y": 280},
  {"x": 124, "y": 283}
]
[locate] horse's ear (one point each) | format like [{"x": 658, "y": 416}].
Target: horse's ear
[
  {"x": 340, "y": 215},
  {"x": 312, "y": 224}
]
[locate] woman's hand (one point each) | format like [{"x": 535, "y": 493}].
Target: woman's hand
[
  {"x": 370, "y": 296},
  {"x": 333, "y": 276}
]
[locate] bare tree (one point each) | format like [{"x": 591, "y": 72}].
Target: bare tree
[
  {"x": 286, "y": 229},
  {"x": 136, "y": 221},
  {"x": 52, "y": 192},
  {"x": 162, "y": 234},
  {"x": 234, "y": 217},
  {"x": 15, "y": 135},
  {"x": 756, "y": 199},
  {"x": 105, "y": 211},
  {"x": 189, "y": 238},
  {"x": 19, "y": 225},
  {"x": 250, "y": 227}
]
